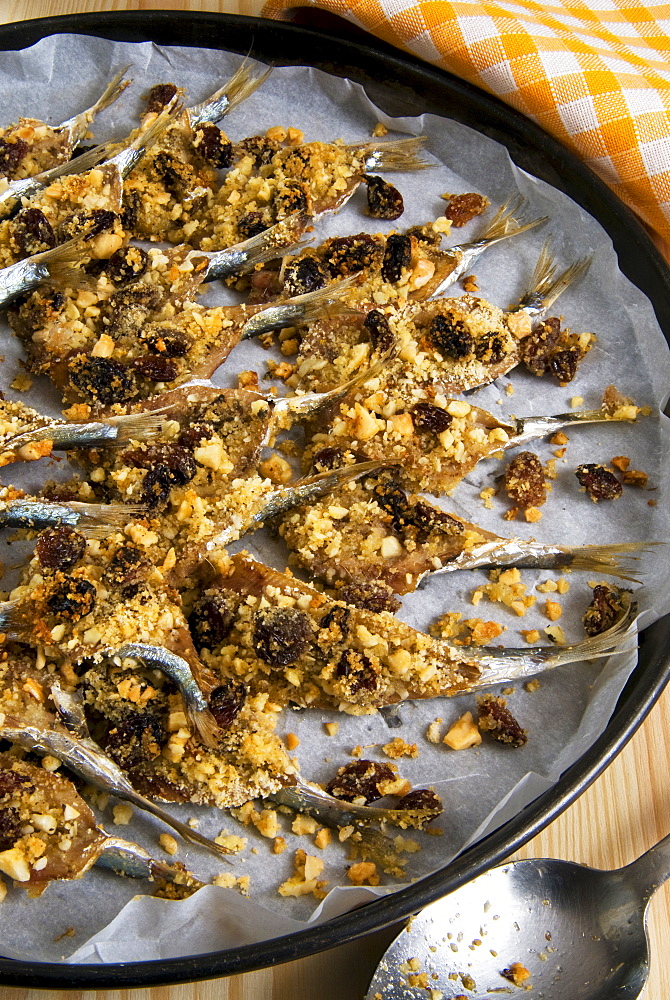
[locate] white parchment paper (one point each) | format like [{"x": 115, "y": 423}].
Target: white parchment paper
[{"x": 103, "y": 918}]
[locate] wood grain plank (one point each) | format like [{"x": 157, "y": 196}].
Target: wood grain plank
[{"x": 620, "y": 816}]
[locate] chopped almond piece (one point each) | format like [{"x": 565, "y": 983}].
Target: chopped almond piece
[{"x": 463, "y": 734}]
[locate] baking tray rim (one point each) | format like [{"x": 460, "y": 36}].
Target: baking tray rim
[{"x": 639, "y": 260}]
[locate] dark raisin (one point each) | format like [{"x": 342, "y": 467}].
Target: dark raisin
[
  {"x": 131, "y": 209},
  {"x": 60, "y": 547},
  {"x": 191, "y": 436},
  {"x": 495, "y": 718},
  {"x": 156, "y": 369},
  {"x": 168, "y": 341},
  {"x": 563, "y": 364},
  {"x": 227, "y": 701},
  {"x": 260, "y": 147},
  {"x": 393, "y": 501},
  {"x": 430, "y": 418},
  {"x": 450, "y": 337},
  {"x": 423, "y": 800},
  {"x": 538, "y": 346},
  {"x": 127, "y": 264},
  {"x": 357, "y": 670},
  {"x": 213, "y": 145},
  {"x": 490, "y": 349},
  {"x": 177, "y": 460},
  {"x": 34, "y": 311},
  {"x": 32, "y": 231},
  {"x": 379, "y": 331},
  {"x": 600, "y": 483},
  {"x": 428, "y": 518},
  {"x": 464, "y": 207},
  {"x": 524, "y": 480},
  {"x": 347, "y": 255},
  {"x": 360, "y": 780},
  {"x": 397, "y": 257},
  {"x": 384, "y": 201},
  {"x": 11, "y": 780},
  {"x": 10, "y": 827},
  {"x": 425, "y": 234},
  {"x": 327, "y": 459},
  {"x": 102, "y": 380},
  {"x": 89, "y": 223},
  {"x": 376, "y": 596},
  {"x": 212, "y": 618},
  {"x": 304, "y": 275},
  {"x": 128, "y": 567},
  {"x": 156, "y": 487},
  {"x": 177, "y": 176},
  {"x": 137, "y": 738},
  {"x": 281, "y": 635},
  {"x": 71, "y": 597},
  {"x": 160, "y": 96},
  {"x": 336, "y": 620},
  {"x": 293, "y": 197},
  {"x": 252, "y": 224},
  {"x": 604, "y": 610},
  {"x": 11, "y": 154}
]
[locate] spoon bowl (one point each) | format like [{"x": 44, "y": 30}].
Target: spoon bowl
[{"x": 577, "y": 931}]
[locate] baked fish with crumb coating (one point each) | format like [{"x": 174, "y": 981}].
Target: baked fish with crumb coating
[{"x": 279, "y": 636}]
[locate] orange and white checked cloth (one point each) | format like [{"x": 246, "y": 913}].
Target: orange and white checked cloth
[{"x": 596, "y": 75}]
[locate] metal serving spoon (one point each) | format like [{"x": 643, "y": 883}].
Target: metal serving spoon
[{"x": 579, "y": 932}]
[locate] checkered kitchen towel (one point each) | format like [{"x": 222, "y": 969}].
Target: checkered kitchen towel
[{"x": 596, "y": 75}]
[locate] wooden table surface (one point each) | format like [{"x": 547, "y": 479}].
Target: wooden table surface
[{"x": 621, "y": 815}]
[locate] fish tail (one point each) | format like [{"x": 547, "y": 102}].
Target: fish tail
[
  {"x": 326, "y": 302},
  {"x": 613, "y": 560},
  {"x": 403, "y": 155},
  {"x": 542, "y": 276},
  {"x": 204, "y": 723},
  {"x": 564, "y": 280},
  {"x": 98, "y": 519},
  {"x": 242, "y": 84},
  {"x": 504, "y": 223},
  {"x": 507, "y": 664},
  {"x": 137, "y": 426},
  {"x": 148, "y": 134},
  {"x": 15, "y": 623},
  {"x": 111, "y": 93},
  {"x": 63, "y": 263}
]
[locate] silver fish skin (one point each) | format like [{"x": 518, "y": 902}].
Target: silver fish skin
[
  {"x": 67, "y": 435},
  {"x": 127, "y": 158},
  {"x": 76, "y": 127},
  {"x": 178, "y": 670},
  {"x": 87, "y": 760},
  {"x": 502, "y": 226},
  {"x": 244, "y": 257},
  {"x": 94, "y": 520},
  {"x": 301, "y": 309},
  {"x": 18, "y": 191},
  {"x": 393, "y": 154},
  {"x": 238, "y": 88},
  {"x": 504, "y": 665},
  {"x": 308, "y": 798},
  {"x": 280, "y": 501},
  {"x": 529, "y": 428},
  {"x": 123, "y": 857},
  {"x": 544, "y": 288},
  {"x": 27, "y": 274},
  {"x": 608, "y": 559}
]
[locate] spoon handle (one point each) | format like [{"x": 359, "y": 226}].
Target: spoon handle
[{"x": 651, "y": 869}]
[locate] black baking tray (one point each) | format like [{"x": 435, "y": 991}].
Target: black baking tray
[{"x": 400, "y": 84}]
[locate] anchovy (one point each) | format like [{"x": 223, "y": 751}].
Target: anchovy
[
  {"x": 93, "y": 520},
  {"x": 242, "y": 84},
  {"x": 544, "y": 288},
  {"x": 274, "y": 242},
  {"x": 87, "y": 760},
  {"x": 68, "y": 435},
  {"x": 51, "y": 265},
  {"x": 123, "y": 857},
  {"x": 308, "y": 798},
  {"x": 18, "y": 191},
  {"x": 179, "y": 671},
  {"x": 459, "y": 259},
  {"x": 302, "y": 309}
]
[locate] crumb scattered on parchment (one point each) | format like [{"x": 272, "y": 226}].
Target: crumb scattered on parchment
[
  {"x": 398, "y": 748},
  {"x": 363, "y": 871},
  {"x": 305, "y": 880}
]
